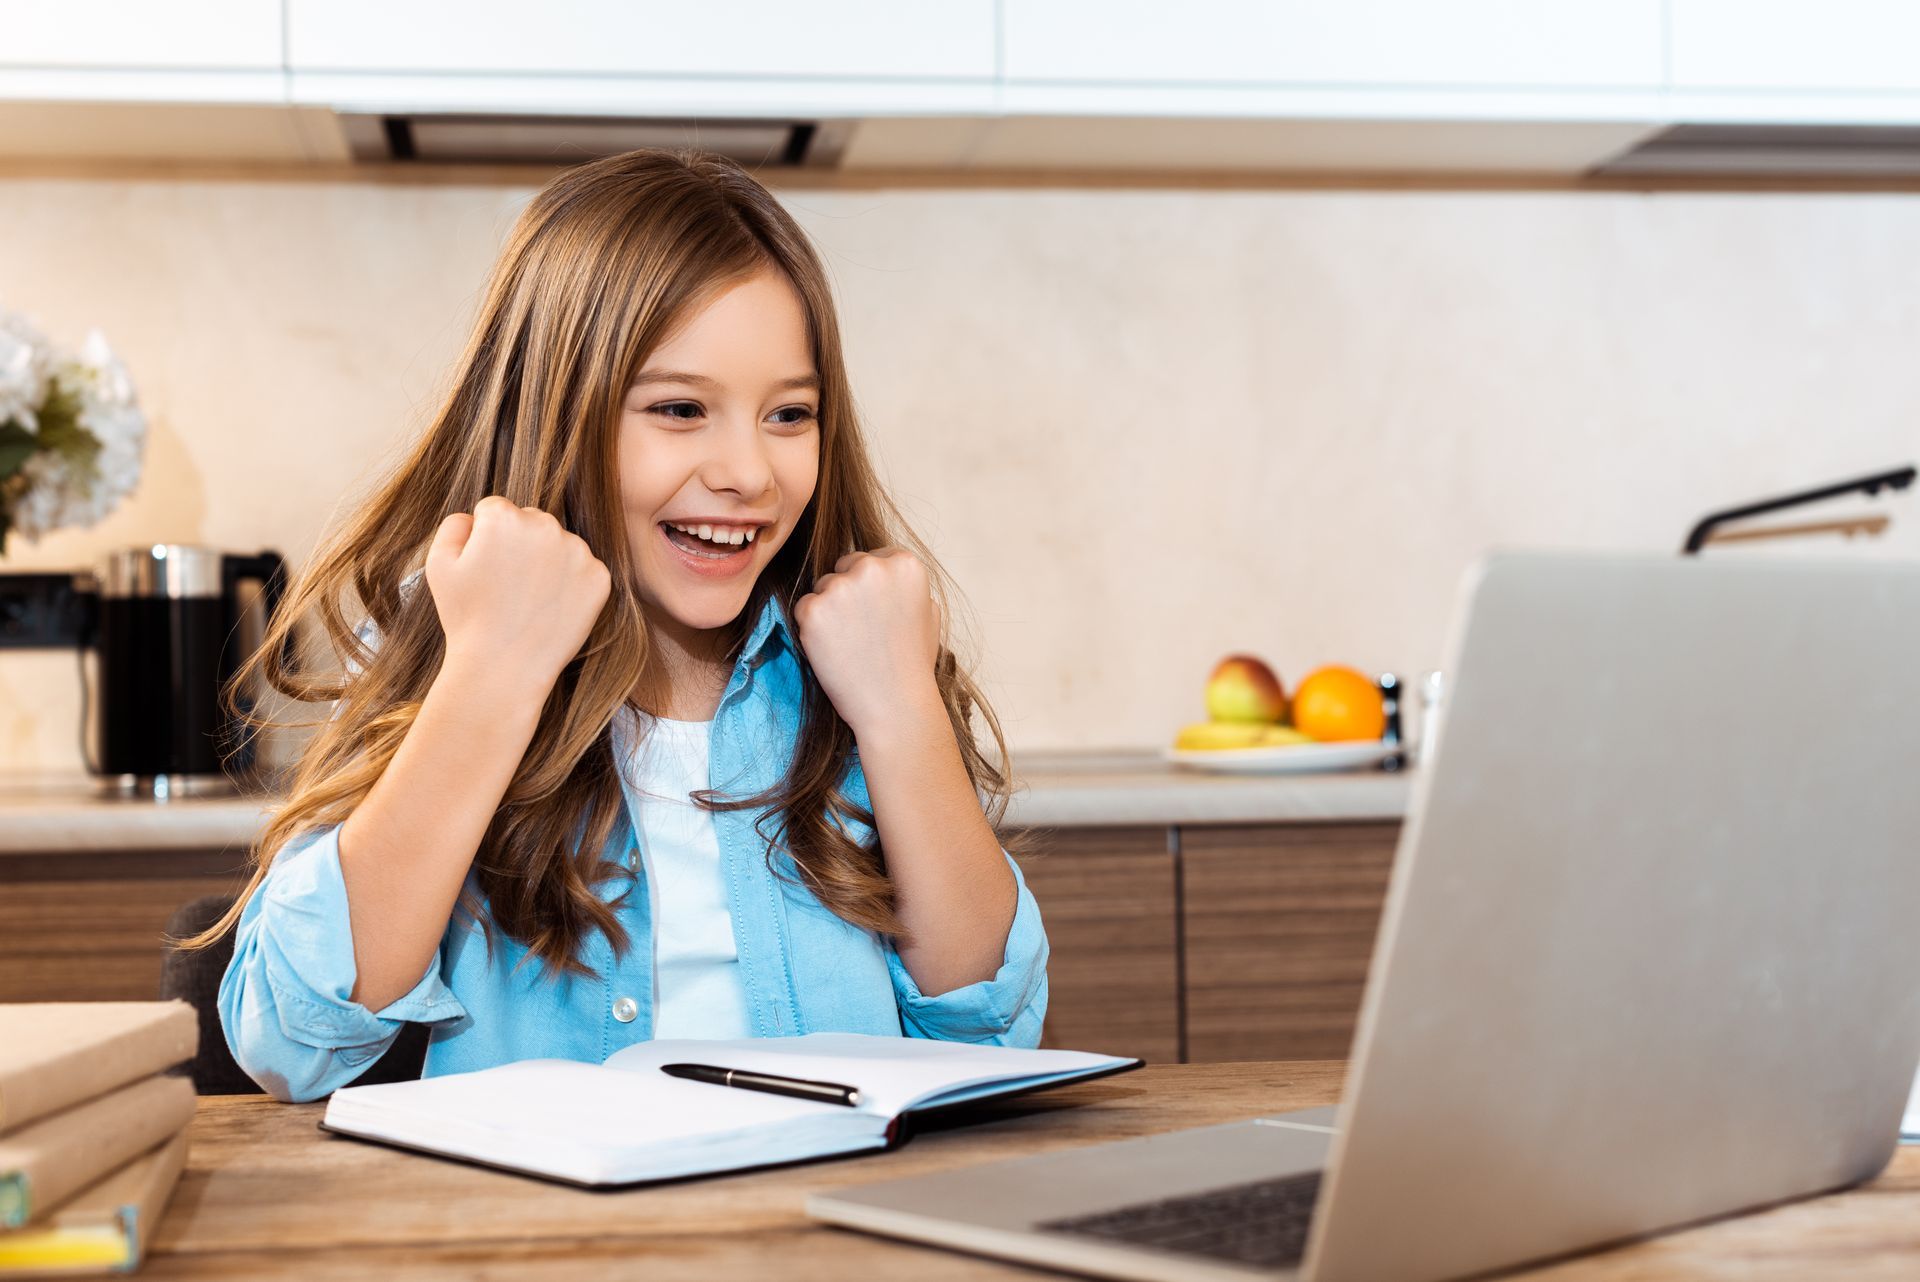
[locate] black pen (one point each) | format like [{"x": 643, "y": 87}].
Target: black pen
[{"x": 798, "y": 1087}]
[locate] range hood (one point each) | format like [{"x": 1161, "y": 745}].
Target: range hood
[
  {"x": 808, "y": 141},
  {"x": 547, "y": 140},
  {"x": 1685, "y": 150},
  {"x": 1881, "y": 151}
]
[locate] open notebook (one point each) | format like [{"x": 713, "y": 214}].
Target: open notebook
[{"x": 623, "y": 1121}]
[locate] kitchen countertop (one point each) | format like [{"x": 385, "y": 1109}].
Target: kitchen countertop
[{"x": 43, "y": 812}]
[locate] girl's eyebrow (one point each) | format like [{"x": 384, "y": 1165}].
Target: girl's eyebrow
[{"x": 811, "y": 381}]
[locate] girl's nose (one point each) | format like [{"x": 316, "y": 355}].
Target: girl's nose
[{"x": 738, "y": 462}]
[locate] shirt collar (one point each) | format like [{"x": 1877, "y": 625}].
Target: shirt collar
[{"x": 772, "y": 624}]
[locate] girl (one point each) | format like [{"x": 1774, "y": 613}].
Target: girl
[{"x": 670, "y": 744}]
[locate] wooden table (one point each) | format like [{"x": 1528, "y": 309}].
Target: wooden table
[{"x": 268, "y": 1195}]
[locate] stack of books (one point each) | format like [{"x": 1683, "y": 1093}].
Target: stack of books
[{"x": 93, "y": 1133}]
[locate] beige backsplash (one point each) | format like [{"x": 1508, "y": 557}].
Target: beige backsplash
[{"x": 1142, "y": 428}]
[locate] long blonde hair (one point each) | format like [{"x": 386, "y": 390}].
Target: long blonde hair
[{"x": 598, "y": 269}]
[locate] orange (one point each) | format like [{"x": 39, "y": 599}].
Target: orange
[{"x": 1339, "y": 703}]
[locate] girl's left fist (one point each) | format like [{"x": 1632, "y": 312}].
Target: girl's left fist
[{"x": 870, "y": 630}]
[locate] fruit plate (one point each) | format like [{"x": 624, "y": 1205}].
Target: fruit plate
[{"x": 1289, "y": 758}]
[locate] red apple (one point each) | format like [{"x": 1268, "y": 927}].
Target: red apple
[{"x": 1242, "y": 688}]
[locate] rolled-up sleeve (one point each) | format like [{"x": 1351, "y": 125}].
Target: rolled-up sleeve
[
  {"x": 1005, "y": 1010},
  {"x": 285, "y": 1000}
]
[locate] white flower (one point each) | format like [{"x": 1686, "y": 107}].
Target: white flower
[
  {"x": 122, "y": 433},
  {"x": 25, "y": 365},
  {"x": 53, "y": 496},
  {"x": 111, "y": 383},
  {"x": 82, "y": 477}
]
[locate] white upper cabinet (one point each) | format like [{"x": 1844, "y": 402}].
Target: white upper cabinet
[
  {"x": 1796, "y": 45},
  {"x": 1465, "y": 85},
  {"x": 189, "y": 35},
  {"x": 620, "y": 37},
  {"x": 1473, "y": 44},
  {"x": 721, "y": 57},
  {"x": 106, "y": 50}
]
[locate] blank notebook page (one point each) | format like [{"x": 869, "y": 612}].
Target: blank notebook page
[
  {"x": 563, "y": 1115},
  {"x": 893, "y": 1074}
]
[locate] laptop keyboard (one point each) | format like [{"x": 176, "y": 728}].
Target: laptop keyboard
[{"x": 1263, "y": 1223}]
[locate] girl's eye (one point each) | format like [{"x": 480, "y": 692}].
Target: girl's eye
[{"x": 671, "y": 409}]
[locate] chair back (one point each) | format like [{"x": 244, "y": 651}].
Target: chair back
[{"x": 193, "y": 975}]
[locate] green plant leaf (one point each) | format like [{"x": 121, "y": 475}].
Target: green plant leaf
[{"x": 13, "y": 455}]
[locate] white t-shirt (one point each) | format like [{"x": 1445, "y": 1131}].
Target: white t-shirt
[{"x": 697, "y": 989}]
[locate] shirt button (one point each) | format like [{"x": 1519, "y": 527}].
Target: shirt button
[{"x": 625, "y": 1009}]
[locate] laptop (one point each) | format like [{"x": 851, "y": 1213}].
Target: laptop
[{"x": 1647, "y": 956}]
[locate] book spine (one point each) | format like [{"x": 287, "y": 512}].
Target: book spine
[
  {"x": 106, "y": 1227},
  {"x": 142, "y": 1214},
  {"x": 96, "y": 1065},
  {"x": 45, "y": 1162}
]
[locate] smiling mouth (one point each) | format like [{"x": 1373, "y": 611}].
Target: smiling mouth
[{"x": 694, "y": 545}]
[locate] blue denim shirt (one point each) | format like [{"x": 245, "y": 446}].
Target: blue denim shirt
[{"x": 291, "y": 1025}]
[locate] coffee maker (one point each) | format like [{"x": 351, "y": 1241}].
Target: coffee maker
[{"x": 169, "y": 630}]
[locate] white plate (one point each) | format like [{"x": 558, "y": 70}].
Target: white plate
[{"x": 1292, "y": 758}]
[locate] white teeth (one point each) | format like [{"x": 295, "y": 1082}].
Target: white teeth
[{"x": 720, "y": 534}]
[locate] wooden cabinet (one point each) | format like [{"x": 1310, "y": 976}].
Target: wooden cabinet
[
  {"x": 1210, "y": 942},
  {"x": 1205, "y": 942},
  {"x": 1107, "y": 896},
  {"x": 1279, "y": 928},
  {"x": 88, "y": 927}
]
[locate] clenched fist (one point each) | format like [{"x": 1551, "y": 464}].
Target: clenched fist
[
  {"x": 517, "y": 593},
  {"x": 871, "y": 632}
]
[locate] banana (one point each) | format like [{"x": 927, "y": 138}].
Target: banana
[{"x": 1208, "y": 736}]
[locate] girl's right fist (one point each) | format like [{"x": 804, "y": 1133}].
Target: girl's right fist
[{"x": 517, "y": 593}]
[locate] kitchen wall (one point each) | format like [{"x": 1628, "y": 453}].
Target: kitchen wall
[{"x": 1143, "y": 428}]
